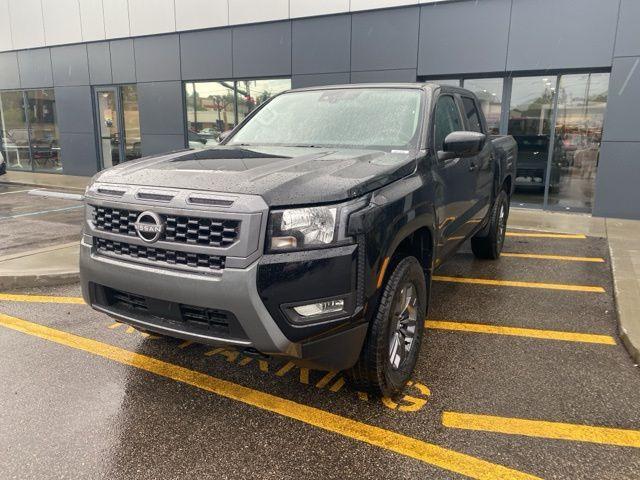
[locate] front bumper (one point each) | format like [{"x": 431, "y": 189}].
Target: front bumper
[{"x": 234, "y": 291}]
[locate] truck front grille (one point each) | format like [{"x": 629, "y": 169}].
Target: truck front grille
[
  {"x": 212, "y": 232},
  {"x": 160, "y": 255}
]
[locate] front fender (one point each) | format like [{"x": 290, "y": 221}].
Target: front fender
[{"x": 394, "y": 212}]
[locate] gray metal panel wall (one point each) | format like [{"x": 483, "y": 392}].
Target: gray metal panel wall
[
  {"x": 617, "y": 193},
  {"x": 459, "y": 37},
  {"x": 385, "y": 40},
  {"x": 75, "y": 118},
  {"x": 561, "y": 34},
  {"x": 157, "y": 58},
  {"x": 78, "y": 153},
  {"x": 154, "y": 144},
  {"x": 123, "y": 64},
  {"x": 9, "y": 74},
  {"x": 99, "y": 63},
  {"x": 617, "y": 180},
  {"x": 70, "y": 65},
  {"x": 384, "y": 76},
  {"x": 628, "y": 36},
  {"x": 623, "y": 103},
  {"x": 74, "y": 109},
  {"x": 206, "y": 55},
  {"x": 317, "y": 79},
  {"x": 35, "y": 68},
  {"x": 321, "y": 45},
  {"x": 161, "y": 109},
  {"x": 262, "y": 50}
]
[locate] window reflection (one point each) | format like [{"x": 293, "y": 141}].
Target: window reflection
[
  {"x": 210, "y": 111},
  {"x": 251, "y": 93},
  {"x": 530, "y": 124},
  {"x": 43, "y": 130},
  {"x": 14, "y": 137},
  {"x": 215, "y": 107},
  {"x": 582, "y": 100},
  {"x": 131, "y": 115},
  {"x": 29, "y": 138},
  {"x": 489, "y": 92}
]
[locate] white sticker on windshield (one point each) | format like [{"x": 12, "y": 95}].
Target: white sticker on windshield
[{"x": 399, "y": 151}]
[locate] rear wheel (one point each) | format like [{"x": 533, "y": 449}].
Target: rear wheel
[
  {"x": 391, "y": 349},
  {"x": 489, "y": 246}
]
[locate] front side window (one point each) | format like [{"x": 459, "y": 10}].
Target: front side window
[
  {"x": 471, "y": 112},
  {"x": 446, "y": 120},
  {"x": 489, "y": 92},
  {"x": 351, "y": 117}
]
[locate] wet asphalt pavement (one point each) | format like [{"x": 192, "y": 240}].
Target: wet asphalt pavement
[
  {"x": 71, "y": 411},
  {"x": 29, "y": 222}
]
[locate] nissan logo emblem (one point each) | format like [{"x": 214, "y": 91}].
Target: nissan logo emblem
[{"x": 149, "y": 226}]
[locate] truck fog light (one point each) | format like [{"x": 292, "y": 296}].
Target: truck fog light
[{"x": 331, "y": 306}]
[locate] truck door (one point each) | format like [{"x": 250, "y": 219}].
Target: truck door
[
  {"x": 454, "y": 181},
  {"x": 480, "y": 165}
]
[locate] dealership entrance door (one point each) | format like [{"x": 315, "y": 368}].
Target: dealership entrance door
[{"x": 118, "y": 124}]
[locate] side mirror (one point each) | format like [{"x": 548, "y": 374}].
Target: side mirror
[
  {"x": 223, "y": 136},
  {"x": 462, "y": 144}
]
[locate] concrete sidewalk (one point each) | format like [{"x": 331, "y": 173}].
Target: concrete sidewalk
[{"x": 55, "y": 265}]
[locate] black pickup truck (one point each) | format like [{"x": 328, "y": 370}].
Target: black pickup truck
[{"x": 311, "y": 232}]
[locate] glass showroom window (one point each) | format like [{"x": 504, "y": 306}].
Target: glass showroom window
[
  {"x": 582, "y": 100},
  {"x": 30, "y": 139},
  {"x": 14, "y": 136},
  {"x": 252, "y": 93},
  {"x": 43, "y": 130},
  {"x": 210, "y": 111},
  {"x": 215, "y": 107},
  {"x": 489, "y": 92},
  {"x": 131, "y": 120}
]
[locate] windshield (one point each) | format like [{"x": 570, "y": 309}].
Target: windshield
[{"x": 350, "y": 117}]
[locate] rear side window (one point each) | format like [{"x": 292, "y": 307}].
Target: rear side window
[
  {"x": 446, "y": 120},
  {"x": 471, "y": 112}
]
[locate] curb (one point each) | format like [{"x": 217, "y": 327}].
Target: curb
[
  {"x": 633, "y": 350},
  {"x": 48, "y": 276},
  {"x": 45, "y": 280}
]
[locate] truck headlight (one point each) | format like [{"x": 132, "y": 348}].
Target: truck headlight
[{"x": 309, "y": 227}]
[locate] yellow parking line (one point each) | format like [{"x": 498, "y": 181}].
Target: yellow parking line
[
  {"x": 573, "y": 236},
  {"x": 553, "y": 257},
  {"x": 512, "y": 283},
  {"x": 40, "y": 299},
  {"x": 543, "y": 429},
  {"x": 379, "y": 437},
  {"x": 521, "y": 332}
]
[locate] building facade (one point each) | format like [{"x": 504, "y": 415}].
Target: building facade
[{"x": 86, "y": 84}]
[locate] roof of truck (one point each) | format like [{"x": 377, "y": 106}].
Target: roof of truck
[{"x": 418, "y": 85}]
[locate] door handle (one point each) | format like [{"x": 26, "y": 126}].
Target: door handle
[{"x": 472, "y": 166}]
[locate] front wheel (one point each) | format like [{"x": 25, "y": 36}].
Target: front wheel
[
  {"x": 489, "y": 246},
  {"x": 391, "y": 349}
]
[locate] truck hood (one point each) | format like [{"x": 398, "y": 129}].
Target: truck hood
[{"x": 281, "y": 175}]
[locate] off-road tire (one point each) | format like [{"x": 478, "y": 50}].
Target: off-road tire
[
  {"x": 489, "y": 246},
  {"x": 373, "y": 372}
]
